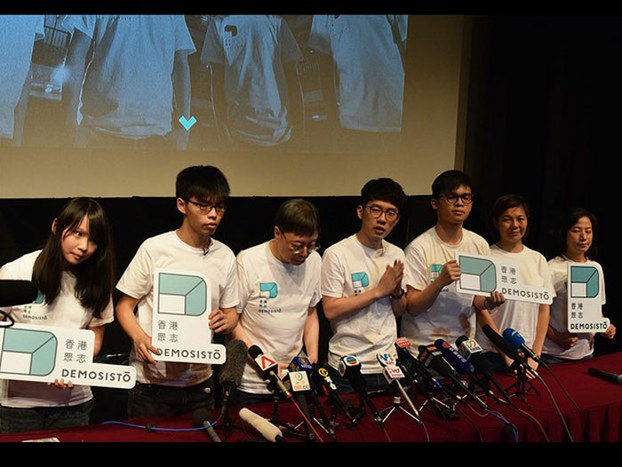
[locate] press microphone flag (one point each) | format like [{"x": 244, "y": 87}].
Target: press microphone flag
[{"x": 268, "y": 368}]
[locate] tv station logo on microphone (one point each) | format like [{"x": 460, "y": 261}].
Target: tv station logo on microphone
[{"x": 182, "y": 303}]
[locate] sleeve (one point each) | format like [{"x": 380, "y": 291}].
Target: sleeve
[
  {"x": 546, "y": 274},
  {"x": 230, "y": 296},
  {"x": 319, "y": 37},
  {"x": 333, "y": 272},
  {"x": 83, "y": 23},
  {"x": 242, "y": 282},
  {"x": 317, "y": 274},
  {"x": 137, "y": 280},
  {"x": 183, "y": 39},
  {"x": 415, "y": 267}
]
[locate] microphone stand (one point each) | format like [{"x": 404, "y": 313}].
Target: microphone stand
[
  {"x": 286, "y": 427},
  {"x": 397, "y": 405},
  {"x": 521, "y": 382}
]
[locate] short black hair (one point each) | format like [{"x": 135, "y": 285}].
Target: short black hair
[
  {"x": 383, "y": 189},
  {"x": 298, "y": 216},
  {"x": 204, "y": 182},
  {"x": 448, "y": 181}
]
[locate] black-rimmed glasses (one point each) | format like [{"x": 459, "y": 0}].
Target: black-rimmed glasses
[{"x": 207, "y": 207}]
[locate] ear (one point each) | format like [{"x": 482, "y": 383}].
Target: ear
[
  {"x": 54, "y": 223},
  {"x": 277, "y": 232},
  {"x": 181, "y": 206},
  {"x": 359, "y": 211},
  {"x": 434, "y": 203}
]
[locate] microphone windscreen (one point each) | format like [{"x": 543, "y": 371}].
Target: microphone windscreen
[
  {"x": 513, "y": 337},
  {"x": 233, "y": 368},
  {"x": 500, "y": 342},
  {"x": 200, "y": 417},
  {"x": 263, "y": 426},
  {"x": 461, "y": 339},
  {"x": 254, "y": 351},
  {"x": 17, "y": 292}
]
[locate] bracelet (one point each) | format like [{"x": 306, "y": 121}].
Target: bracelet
[{"x": 395, "y": 297}]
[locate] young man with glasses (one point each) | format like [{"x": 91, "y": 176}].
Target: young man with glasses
[
  {"x": 434, "y": 309},
  {"x": 279, "y": 290},
  {"x": 171, "y": 388},
  {"x": 362, "y": 286}
]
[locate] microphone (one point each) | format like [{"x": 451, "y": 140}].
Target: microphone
[
  {"x": 406, "y": 360},
  {"x": 452, "y": 356},
  {"x": 200, "y": 418},
  {"x": 504, "y": 346},
  {"x": 350, "y": 368},
  {"x": 612, "y": 377},
  {"x": 266, "y": 429},
  {"x": 393, "y": 373},
  {"x": 323, "y": 376},
  {"x": 231, "y": 371},
  {"x": 268, "y": 367},
  {"x": 17, "y": 292},
  {"x": 473, "y": 353},
  {"x": 518, "y": 342}
]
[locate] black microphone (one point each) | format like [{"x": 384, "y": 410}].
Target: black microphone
[
  {"x": 268, "y": 368},
  {"x": 323, "y": 376},
  {"x": 269, "y": 431},
  {"x": 457, "y": 361},
  {"x": 612, "y": 377},
  {"x": 350, "y": 368},
  {"x": 473, "y": 353},
  {"x": 200, "y": 418},
  {"x": 504, "y": 346},
  {"x": 232, "y": 370},
  {"x": 518, "y": 342},
  {"x": 17, "y": 292},
  {"x": 407, "y": 360}
]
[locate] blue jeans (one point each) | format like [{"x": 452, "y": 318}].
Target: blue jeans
[
  {"x": 154, "y": 400},
  {"x": 16, "y": 420}
]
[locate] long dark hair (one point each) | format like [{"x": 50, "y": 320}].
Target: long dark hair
[{"x": 95, "y": 276}]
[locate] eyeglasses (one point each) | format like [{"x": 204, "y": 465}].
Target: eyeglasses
[
  {"x": 298, "y": 247},
  {"x": 206, "y": 208},
  {"x": 452, "y": 198},
  {"x": 389, "y": 214}
]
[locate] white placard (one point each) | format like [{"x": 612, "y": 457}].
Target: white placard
[{"x": 585, "y": 298}]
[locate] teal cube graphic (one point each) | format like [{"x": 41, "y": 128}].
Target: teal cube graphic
[
  {"x": 268, "y": 289},
  {"x": 360, "y": 279},
  {"x": 477, "y": 274},
  {"x": 181, "y": 294},
  {"x": 584, "y": 282},
  {"x": 28, "y": 352}
]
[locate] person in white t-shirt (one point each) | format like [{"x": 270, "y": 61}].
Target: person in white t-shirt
[
  {"x": 18, "y": 34},
  {"x": 256, "y": 90},
  {"x": 577, "y": 239},
  {"x": 509, "y": 216},
  {"x": 133, "y": 87},
  {"x": 171, "y": 388},
  {"x": 362, "y": 287},
  {"x": 435, "y": 309},
  {"x": 280, "y": 289},
  {"x": 74, "y": 273},
  {"x": 363, "y": 61}
]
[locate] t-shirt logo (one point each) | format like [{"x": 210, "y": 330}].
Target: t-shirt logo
[
  {"x": 435, "y": 270},
  {"x": 267, "y": 290},
  {"x": 360, "y": 280}
]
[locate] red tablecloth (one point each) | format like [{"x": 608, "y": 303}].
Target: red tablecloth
[{"x": 591, "y": 411}]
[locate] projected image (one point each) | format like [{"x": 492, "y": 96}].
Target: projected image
[{"x": 203, "y": 82}]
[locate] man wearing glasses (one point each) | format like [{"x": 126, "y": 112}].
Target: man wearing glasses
[
  {"x": 362, "y": 289},
  {"x": 172, "y": 388},
  {"x": 279, "y": 290},
  {"x": 435, "y": 310}
]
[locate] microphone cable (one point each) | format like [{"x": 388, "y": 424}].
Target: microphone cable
[
  {"x": 561, "y": 416},
  {"x": 149, "y": 427},
  {"x": 559, "y": 383}
]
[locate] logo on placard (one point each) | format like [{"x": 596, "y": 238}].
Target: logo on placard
[
  {"x": 181, "y": 294},
  {"x": 477, "y": 274},
  {"x": 584, "y": 282},
  {"x": 28, "y": 352}
]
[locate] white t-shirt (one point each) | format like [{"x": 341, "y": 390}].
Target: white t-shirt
[
  {"x": 368, "y": 66},
  {"x": 65, "y": 311},
  {"x": 349, "y": 268},
  {"x": 451, "y": 315},
  {"x": 559, "y": 314},
  {"x": 253, "y": 50},
  {"x": 275, "y": 298},
  {"x": 518, "y": 315},
  {"x": 18, "y": 34},
  {"x": 128, "y": 87},
  {"x": 167, "y": 251}
]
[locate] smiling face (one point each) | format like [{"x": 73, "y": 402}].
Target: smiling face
[
  {"x": 512, "y": 226},
  {"x": 76, "y": 243}
]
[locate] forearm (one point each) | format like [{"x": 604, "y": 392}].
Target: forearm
[
  {"x": 420, "y": 301},
  {"x": 542, "y": 327},
  {"x": 346, "y": 306},
  {"x": 311, "y": 336}
]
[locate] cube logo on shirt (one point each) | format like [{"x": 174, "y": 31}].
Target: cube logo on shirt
[
  {"x": 360, "y": 280},
  {"x": 267, "y": 291}
]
